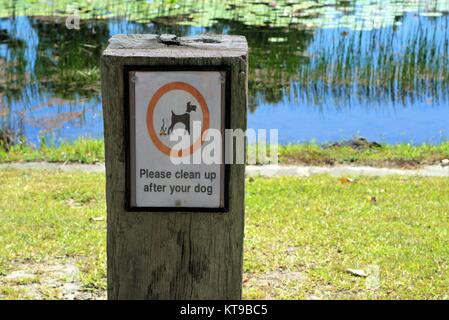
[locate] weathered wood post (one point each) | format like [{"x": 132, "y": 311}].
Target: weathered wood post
[{"x": 174, "y": 231}]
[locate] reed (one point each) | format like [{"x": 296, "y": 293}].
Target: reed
[{"x": 383, "y": 65}]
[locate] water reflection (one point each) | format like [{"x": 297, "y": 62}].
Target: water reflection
[
  {"x": 276, "y": 55},
  {"x": 338, "y": 68}
]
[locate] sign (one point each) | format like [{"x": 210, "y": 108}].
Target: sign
[
  {"x": 157, "y": 89},
  {"x": 172, "y": 117}
]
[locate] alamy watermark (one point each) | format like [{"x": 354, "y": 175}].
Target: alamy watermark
[
  {"x": 261, "y": 146},
  {"x": 73, "y": 20}
]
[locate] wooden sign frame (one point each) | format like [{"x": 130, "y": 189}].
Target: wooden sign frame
[{"x": 130, "y": 149}]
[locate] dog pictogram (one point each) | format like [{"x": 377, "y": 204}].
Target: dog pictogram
[{"x": 182, "y": 118}]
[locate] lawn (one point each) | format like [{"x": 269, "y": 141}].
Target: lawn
[
  {"x": 358, "y": 152},
  {"x": 302, "y": 235}
]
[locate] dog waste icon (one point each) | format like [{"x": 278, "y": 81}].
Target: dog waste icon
[{"x": 185, "y": 103}]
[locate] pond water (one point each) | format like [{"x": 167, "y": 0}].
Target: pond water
[{"x": 322, "y": 70}]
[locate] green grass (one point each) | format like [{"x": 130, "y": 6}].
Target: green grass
[
  {"x": 81, "y": 150},
  {"x": 301, "y": 235},
  {"x": 48, "y": 218},
  {"x": 322, "y": 227},
  {"x": 400, "y": 155}
]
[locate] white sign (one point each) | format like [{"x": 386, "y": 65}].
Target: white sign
[{"x": 171, "y": 114}]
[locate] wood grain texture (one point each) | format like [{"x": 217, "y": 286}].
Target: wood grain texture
[{"x": 174, "y": 255}]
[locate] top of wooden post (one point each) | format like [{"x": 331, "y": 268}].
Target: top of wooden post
[{"x": 166, "y": 45}]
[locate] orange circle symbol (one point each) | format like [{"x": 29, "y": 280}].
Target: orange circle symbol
[{"x": 152, "y": 105}]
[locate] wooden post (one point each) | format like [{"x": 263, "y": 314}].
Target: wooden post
[{"x": 177, "y": 253}]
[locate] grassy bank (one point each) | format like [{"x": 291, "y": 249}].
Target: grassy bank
[
  {"x": 81, "y": 151},
  {"x": 400, "y": 155},
  {"x": 301, "y": 237},
  {"x": 396, "y": 156}
]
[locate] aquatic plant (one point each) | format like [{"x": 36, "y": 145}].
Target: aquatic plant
[
  {"x": 306, "y": 14},
  {"x": 381, "y": 65}
]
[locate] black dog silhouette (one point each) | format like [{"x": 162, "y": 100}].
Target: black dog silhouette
[{"x": 182, "y": 118}]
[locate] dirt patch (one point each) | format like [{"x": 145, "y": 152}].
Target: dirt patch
[
  {"x": 274, "y": 282},
  {"x": 356, "y": 144},
  {"x": 57, "y": 280}
]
